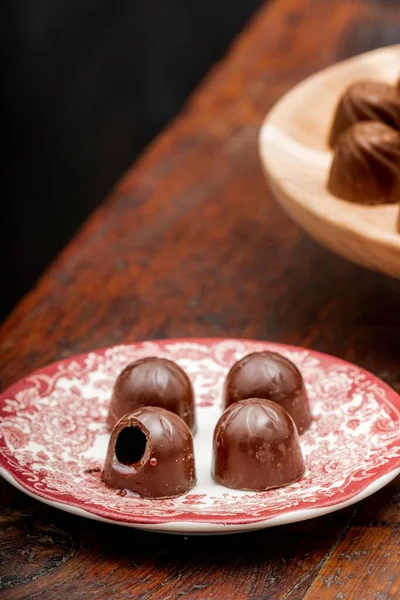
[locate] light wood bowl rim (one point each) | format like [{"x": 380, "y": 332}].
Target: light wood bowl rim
[{"x": 345, "y": 221}]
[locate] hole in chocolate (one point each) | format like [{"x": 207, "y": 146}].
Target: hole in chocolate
[{"x": 130, "y": 446}]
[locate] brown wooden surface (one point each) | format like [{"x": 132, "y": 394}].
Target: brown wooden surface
[{"x": 191, "y": 244}]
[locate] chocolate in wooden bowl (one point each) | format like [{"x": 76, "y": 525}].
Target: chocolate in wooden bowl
[{"x": 296, "y": 159}]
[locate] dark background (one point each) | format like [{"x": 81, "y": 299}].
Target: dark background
[{"x": 86, "y": 85}]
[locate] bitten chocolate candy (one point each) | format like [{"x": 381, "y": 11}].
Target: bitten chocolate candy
[
  {"x": 366, "y": 101},
  {"x": 153, "y": 382},
  {"x": 150, "y": 452},
  {"x": 366, "y": 164},
  {"x": 270, "y": 376},
  {"x": 256, "y": 447}
]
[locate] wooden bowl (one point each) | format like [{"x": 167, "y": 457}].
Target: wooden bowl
[{"x": 296, "y": 159}]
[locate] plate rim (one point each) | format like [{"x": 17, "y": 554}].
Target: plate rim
[
  {"x": 205, "y": 528},
  {"x": 199, "y": 527},
  {"x": 198, "y": 340}
]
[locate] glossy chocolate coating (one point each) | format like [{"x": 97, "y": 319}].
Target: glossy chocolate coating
[
  {"x": 366, "y": 101},
  {"x": 270, "y": 376},
  {"x": 256, "y": 447},
  {"x": 150, "y": 452},
  {"x": 153, "y": 382},
  {"x": 366, "y": 165}
]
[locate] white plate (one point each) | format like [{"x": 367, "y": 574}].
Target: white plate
[{"x": 53, "y": 439}]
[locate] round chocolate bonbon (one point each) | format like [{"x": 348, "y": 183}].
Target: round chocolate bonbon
[
  {"x": 150, "y": 453},
  {"x": 256, "y": 447},
  {"x": 366, "y": 164},
  {"x": 365, "y": 101},
  {"x": 153, "y": 381},
  {"x": 270, "y": 376}
]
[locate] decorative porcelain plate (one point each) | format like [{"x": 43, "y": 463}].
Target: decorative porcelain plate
[{"x": 53, "y": 439}]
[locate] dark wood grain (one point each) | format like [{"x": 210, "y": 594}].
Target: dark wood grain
[{"x": 190, "y": 243}]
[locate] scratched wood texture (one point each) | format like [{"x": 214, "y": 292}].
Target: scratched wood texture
[{"x": 190, "y": 243}]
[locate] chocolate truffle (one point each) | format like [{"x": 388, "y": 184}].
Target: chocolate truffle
[
  {"x": 256, "y": 447},
  {"x": 366, "y": 164},
  {"x": 366, "y": 101},
  {"x": 152, "y": 382},
  {"x": 150, "y": 452},
  {"x": 270, "y": 376}
]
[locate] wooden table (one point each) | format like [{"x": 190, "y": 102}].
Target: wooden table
[{"x": 190, "y": 243}]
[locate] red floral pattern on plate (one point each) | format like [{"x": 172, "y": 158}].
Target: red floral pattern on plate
[{"x": 53, "y": 436}]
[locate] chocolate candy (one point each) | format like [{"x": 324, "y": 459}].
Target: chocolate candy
[
  {"x": 153, "y": 382},
  {"x": 150, "y": 453},
  {"x": 256, "y": 447},
  {"x": 270, "y": 376},
  {"x": 366, "y": 164},
  {"x": 366, "y": 101}
]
